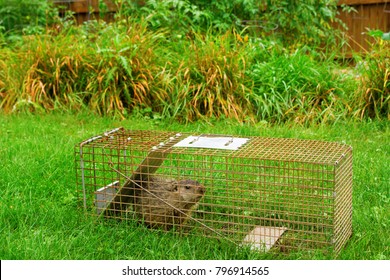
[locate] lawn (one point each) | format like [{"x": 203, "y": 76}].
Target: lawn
[{"x": 40, "y": 217}]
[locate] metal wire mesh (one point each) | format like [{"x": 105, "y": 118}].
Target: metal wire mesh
[{"x": 287, "y": 194}]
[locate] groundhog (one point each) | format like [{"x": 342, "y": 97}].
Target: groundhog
[{"x": 168, "y": 202}]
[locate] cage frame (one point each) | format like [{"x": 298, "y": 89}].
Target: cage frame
[{"x": 283, "y": 154}]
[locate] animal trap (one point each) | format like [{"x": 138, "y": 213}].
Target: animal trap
[{"x": 269, "y": 193}]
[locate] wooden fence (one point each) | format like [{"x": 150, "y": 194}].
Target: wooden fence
[
  {"x": 371, "y": 14},
  {"x": 85, "y": 10}
]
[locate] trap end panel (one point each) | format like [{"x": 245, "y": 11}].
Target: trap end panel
[{"x": 104, "y": 196}]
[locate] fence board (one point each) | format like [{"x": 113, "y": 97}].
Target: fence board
[
  {"x": 370, "y": 15},
  {"x": 85, "y": 10},
  {"x": 361, "y": 2},
  {"x": 85, "y": 6}
]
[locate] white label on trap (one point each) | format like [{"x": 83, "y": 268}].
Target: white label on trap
[{"x": 211, "y": 142}]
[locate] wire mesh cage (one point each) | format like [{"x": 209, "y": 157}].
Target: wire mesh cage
[{"x": 268, "y": 193}]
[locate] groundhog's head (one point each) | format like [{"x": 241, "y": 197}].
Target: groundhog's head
[{"x": 189, "y": 191}]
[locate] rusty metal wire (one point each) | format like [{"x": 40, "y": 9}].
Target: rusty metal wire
[{"x": 288, "y": 194}]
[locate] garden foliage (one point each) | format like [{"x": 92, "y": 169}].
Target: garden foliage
[{"x": 254, "y": 61}]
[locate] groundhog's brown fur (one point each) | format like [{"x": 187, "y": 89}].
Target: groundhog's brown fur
[{"x": 182, "y": 195}]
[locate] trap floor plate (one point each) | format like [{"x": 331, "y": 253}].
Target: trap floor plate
[{"x": 263, "y": 238}]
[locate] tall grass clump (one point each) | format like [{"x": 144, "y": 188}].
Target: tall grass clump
[
  {"x": 295, "y": 87},
  {"x": 12, "y": 74},
  {"x": 372, "y": 100},
  {"x": 208, "y": 79},
  {"x": 106, "y": 68},
  {"x": 51, "y": 72},
  {"x": 123, "y": 69}
]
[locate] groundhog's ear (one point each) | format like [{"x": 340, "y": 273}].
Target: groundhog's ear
[{"x": 174, "y": 187}]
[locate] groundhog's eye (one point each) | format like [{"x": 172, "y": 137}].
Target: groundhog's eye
[{"x": 188, "y": 187}]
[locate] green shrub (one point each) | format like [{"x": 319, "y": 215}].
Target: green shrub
[
  {"x": 124, "y": 67},
  {"x": 25, "y": 16},
  {"x": 295, "y": 87},
  {"x": 291, "y": 22},
  {"x": 302, "y": 22}
]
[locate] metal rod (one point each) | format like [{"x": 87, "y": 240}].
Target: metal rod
[{"x": 83, "y": 177}]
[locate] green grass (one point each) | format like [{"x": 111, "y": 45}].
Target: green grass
[{"x": 40, "y": 219}]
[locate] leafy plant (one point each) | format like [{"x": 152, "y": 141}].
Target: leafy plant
[
  {"x": 26, "y": 16},
  {"x": 292, "y": 22},
  {"x": 177, "y": 16},
  {"x": 302, "y": 22},
  {"x": 225, "y": 14}
]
